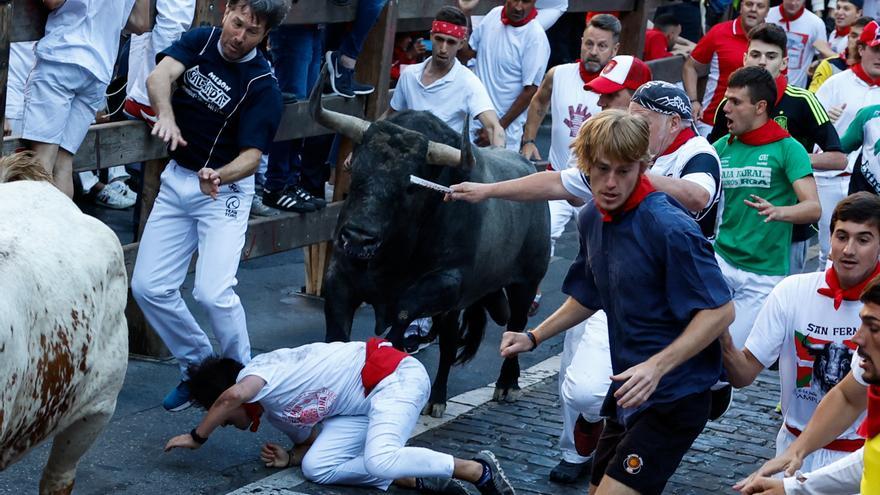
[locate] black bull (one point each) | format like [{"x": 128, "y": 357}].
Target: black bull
[{"x": 400, "y": 248}]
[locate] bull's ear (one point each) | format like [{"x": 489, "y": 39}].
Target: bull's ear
[{"x": 467, "y": 153}]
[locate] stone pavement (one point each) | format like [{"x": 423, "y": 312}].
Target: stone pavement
[{"x": 523, "y": 436}]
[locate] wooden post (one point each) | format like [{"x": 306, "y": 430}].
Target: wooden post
[
  {"x": 633, "y": 27},
  {"x": 373, "y": 67},
  {"x": 5, "y": 29}
]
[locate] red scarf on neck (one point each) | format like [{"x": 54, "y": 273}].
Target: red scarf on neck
[
  {"x": 507, "y": 22},
  {"x": 870, "y": 428},
  {"x": 841, "y": 32},
  {"x": 839, "y": 294},
  {"x": 781, "y": 84},
  {"x": 642, "y": 190},
  {"x": 254, "y": 410},
  {"x": 861, "y": 74},
  {"x": 768, "y": 133},
  {"x": 793, "y": 17},
  {"x": 683, "y": 136},
  {"x": 586, "y": 76}
]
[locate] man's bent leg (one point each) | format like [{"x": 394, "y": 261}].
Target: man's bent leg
[{"x": 337, "y": 456}]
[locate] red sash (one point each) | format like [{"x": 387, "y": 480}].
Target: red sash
[{"x": 382, "y": 360}]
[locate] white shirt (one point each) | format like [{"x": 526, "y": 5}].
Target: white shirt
[
  {"x": 21, "y": 61},
  {"x": 306, "y": 384},
  {"x": 802, "y": 33},
  {"x": 552, "y": 4},
  {"x": 509, "y": 59},
  {"x": 846, "y": 87},
  {"x": 812, "y": 341},
  {"x": 570, "y": 106},
  {"x": 86, "y": 33},
  {"x": 837, "y": 43},
  {"x": 451, "y": 98}
]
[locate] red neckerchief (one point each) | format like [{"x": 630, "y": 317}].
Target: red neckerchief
[
  {"x": 642, "y": 190},
  {"x": 254, "y": 410},
  {"x": 586, "y": 76},
  {"x": 861, "y": 74},
  {"x": 795, "y": 17},
  {"x": 768, "y": 133},
  {"x": 683, "y": 136},
  {"x": 841, "y": 32},
  {"x": 781, "y": 84},
  {"x": 870, "y": 427},
  {"x": 507, "y": 22},
  {"x": 839, "y": 294},
  {"x": 381, "y": 361}
]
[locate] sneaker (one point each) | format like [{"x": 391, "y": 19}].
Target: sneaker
[
  {"x": 567, "y": 473},
  {"x": 258, "y": 209},
  {"x": 342, "y": 79},
  {"x": 721, "y": 400},
  {"x": 447, "y": 486},
  {"x": 308, "y": 198},
  {"x": 497, "y": 484},
  {"x": 535, "y": 306},
  {"x": 178, "y": 399},
  {"x": 284, "y": 200},
  {"x": 116, "y": 195}
]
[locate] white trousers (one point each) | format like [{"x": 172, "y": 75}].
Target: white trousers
[
  {"x": 819, "y": 458},
  {"x": 370, "y": 450},
  {"x": 583, "y": 379},
  {"x": 831, "y": 191},
  {"x": 561, "y": 212},
  {"x": 749, "y": 290},
  {"x": 183, "y": 220}
]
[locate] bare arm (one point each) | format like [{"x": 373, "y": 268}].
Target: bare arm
[
  {"x": 824, "y": 48},
  {"x": 139, "y": 20},
  {"x": 490, "y": 122},
  {"x": 807, "y": 210},
  {"x": 641, "y": 380},
  {"x": 243, "y": 165},
  {"x": 690, "y": 194},
  {"x": 159, "y": 89},
  {"x": 538, "y": 108},
  {"x": 836, "y": 412},
  {"x": 519, "y": 105},
  {"x": 828, "y": 160},
  {"x": 690, "y": 72},
  {"x": 541, "y": 186},
  {"x": 568, "y": 315},
  {"x": 741, "y": 365}
]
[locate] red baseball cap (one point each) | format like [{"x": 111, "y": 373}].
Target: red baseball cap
[
  {"x": 622, "y": 71},
  {"x": 870, "y": 36}
]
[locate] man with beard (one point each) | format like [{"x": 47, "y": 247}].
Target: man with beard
[
  {"x": 807, "y": 324},
  {"x": 563, "y": 94}
]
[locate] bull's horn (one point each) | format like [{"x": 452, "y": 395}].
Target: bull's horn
[
  {"x": 442, "y": 154},
  {"x": 347, "y": 125}
]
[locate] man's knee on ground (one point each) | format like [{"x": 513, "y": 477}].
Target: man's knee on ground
[
  {"x": 316, "y": 469},
  {"x": 384, "y": 463}
]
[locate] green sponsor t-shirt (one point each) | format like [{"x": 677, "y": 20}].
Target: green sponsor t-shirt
[{"x": 744, "y": 239}]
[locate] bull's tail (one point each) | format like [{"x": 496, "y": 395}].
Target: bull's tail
[{"x": 471, "y": 331}]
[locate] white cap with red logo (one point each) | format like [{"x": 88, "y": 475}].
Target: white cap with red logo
[{"x": 622, "y": 72}]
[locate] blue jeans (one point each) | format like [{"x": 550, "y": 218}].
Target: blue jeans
[
  {"x": 296, "y": 52},
  {"x": 367, "y": 13}
]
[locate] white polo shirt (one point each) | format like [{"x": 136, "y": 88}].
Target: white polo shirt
[
  {"x": 802, "y": 33},
  {"x": 86, "y": 33},
  {"x": 846, "y": 87},
  {"x": 509, "y": 59},
  {"x": 452, "y": 98}
]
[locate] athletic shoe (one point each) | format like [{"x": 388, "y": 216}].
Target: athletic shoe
[
  {"x": 342, "y": 79},
  {"x": 721, "y": 400},
  {"x": 178, "y": 399},
  {"x": 446, "y": 486},
  {"x": 307, "y": 197},
  {"x": 285, "y": 200},
  {"x": 567, "y": 473},
  {"x": 497, "y": 484},
  {"x": 535, "y": 306},
  {"x": 258, "y": 209},
  {"x": 116, "y": 195}
]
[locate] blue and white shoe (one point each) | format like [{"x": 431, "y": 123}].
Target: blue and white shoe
[
  {"x": 342, "y": 79},
  {"x": 178, "y": 399}
]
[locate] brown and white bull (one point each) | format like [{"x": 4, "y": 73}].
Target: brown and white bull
[{"x": 63, "y": 333}]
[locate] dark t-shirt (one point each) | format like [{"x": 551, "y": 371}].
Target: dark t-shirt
[
  {"x": 221, "y": 107},
  {"x": 651, "y": 270}
]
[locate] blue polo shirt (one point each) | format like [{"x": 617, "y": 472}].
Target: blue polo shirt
[
  {"x": 651, "y": 270},
  {"x": 221, "y": 106}
]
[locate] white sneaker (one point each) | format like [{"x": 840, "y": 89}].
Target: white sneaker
[
  {"x": 116, "y": 195},
  {"x": 259, "y": 209}
]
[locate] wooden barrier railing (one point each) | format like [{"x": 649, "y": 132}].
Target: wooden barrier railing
[{"x": 120, "y": 143}]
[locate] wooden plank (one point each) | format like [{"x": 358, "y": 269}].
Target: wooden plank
[
  {"x": 375, "y": 60},
  {"x": 5, "y": 24},
  {"x": 633, "y": 26},
  {"x": 667, "y": 69}
]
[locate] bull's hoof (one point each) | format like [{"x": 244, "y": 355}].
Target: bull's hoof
[
  {"x": 510, "y": 394},
  {"x": 434, "y": 410}
]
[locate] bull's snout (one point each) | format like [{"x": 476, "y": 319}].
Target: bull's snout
[{"x": 359, "y": 243}]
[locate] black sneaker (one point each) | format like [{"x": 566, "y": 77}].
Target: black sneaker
[
  {"x": 307, "y": 197},
  {"x": 497, "y": 484},
  {"x": 342, "y": 79},
  {"x": 445, "y": 486},
  {"x": 721, "y": 400},
  {"x": 287, "y": 201},
  {"x": 567, "y": 473}
]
